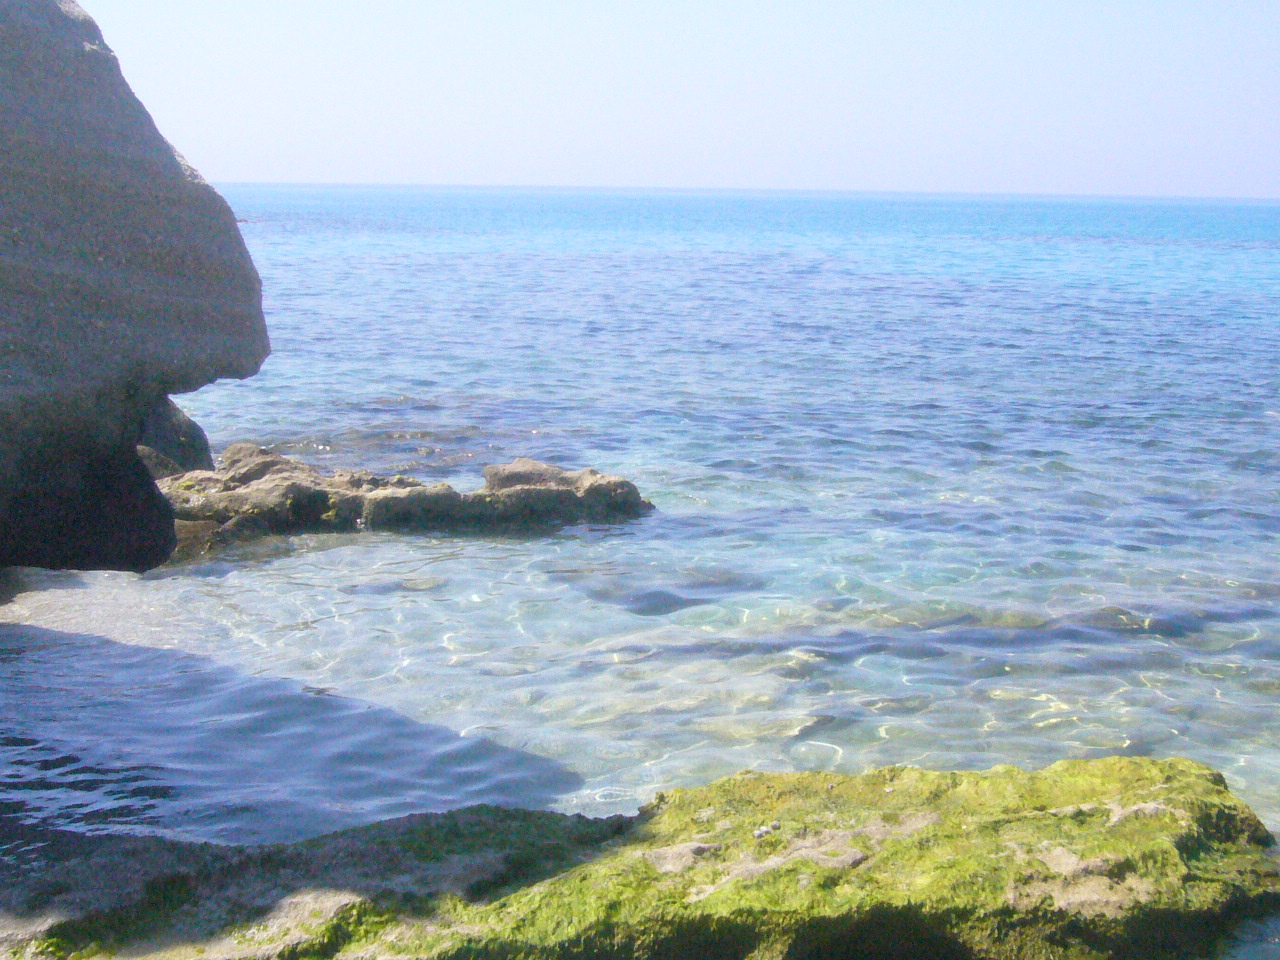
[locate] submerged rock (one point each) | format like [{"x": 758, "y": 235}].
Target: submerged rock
[
  {"x": 1085, "y": 860},
  {"x": 123, "y": 279},
  {"x": 257, "y": 492}
]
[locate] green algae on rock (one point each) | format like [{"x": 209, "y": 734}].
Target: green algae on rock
[{"x": 1119, "y": 857}]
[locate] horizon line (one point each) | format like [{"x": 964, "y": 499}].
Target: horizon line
[{"x": 810, "y": 191}]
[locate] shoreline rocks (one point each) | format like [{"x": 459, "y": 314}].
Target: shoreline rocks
[
  {"x": 255, "y": 492},
  {"x": 1084, "y": 860},
  {"x": 123, "y": 279}
]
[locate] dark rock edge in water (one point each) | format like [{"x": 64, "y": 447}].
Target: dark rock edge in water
[
  {"x": 1086, "y": 859},
  {"x": 256, "y": 492}
]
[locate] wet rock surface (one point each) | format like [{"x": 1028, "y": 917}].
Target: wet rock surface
[
  {"x": 123, "y": 278},
  {"x": 898, "y": 862},
  {"x": 255, "y": 492}
]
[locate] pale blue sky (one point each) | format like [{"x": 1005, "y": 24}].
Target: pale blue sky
[{"x": 1129, "y": 97}]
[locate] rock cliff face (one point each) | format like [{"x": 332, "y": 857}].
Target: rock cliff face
[{"x": 123, "y": 278}]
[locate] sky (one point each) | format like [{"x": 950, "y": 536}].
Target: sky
[{"x": 1124, "y": 97}]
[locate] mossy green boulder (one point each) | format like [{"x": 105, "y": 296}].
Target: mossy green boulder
[{"x": 1119, "y": 857}]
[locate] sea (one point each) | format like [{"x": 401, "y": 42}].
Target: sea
[{"x": 943, "y": 481}]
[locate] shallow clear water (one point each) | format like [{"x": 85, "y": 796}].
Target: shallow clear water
[{"x": 944, "y": 482}]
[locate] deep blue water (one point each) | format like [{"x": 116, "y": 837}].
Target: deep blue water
[{"x": 942, "y": 481}]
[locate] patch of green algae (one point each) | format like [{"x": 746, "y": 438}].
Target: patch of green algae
[{"x": 1111, "y": 858}]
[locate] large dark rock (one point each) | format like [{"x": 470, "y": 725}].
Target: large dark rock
[
  {"x": 257, "y": 492},
  {"x": 123, "y": 279}
]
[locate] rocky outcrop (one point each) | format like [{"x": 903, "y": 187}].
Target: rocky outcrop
[
  {"x": 123, "y": 279},
  {"x": 257, "y": 492},
  {"x": 1085, "y": 860}
]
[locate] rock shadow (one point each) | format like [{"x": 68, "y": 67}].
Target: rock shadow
[
  {"x": 117, "y": 761},
  {"x": 101, "y": 736},
  {"x": 661, "y": 593},
  {"x": 94, "y": 895},
  {"x": 314, "y": 899}
]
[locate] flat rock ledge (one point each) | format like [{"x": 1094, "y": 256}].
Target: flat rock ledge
[
  {"x": 256, "y": 492},
  {"x": 1110, "y": 858}
]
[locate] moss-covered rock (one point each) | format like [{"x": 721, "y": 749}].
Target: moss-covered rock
[{"x": 1119, "y": 857}]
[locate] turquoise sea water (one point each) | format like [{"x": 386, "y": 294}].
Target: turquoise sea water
[{"x": 949, "y": 482}]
